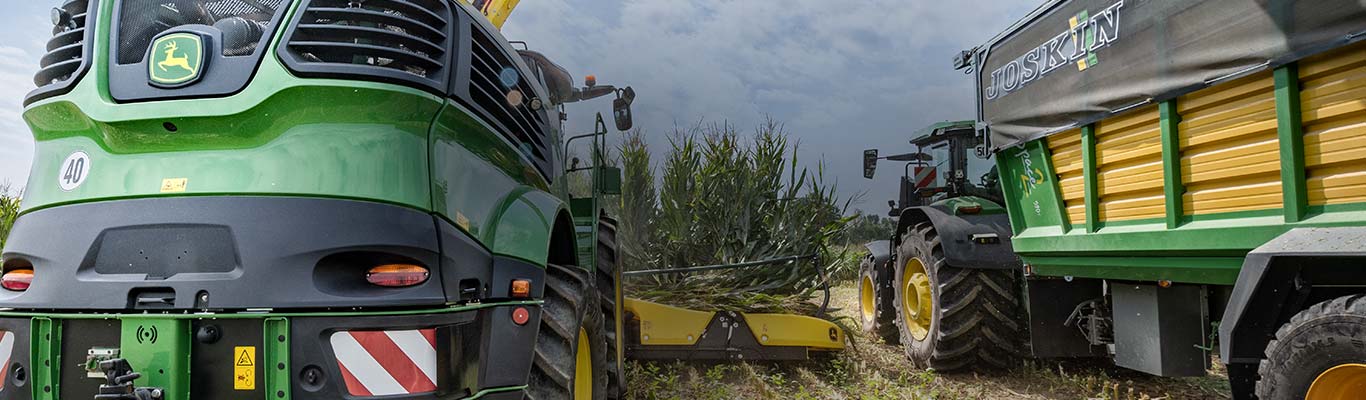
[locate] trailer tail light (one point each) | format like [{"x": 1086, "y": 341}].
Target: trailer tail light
[
  {"x": 17, "y": 279},
  {"x": 385, "y": 363},
  {"x": 397, "y": 275}
]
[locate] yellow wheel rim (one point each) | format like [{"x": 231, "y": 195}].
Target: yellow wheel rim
[
  {"x": 1346, "y": 381},
  {"x": 866, "y": 299},
  {"x": 583, "y": 369},
  {"x": 917, "y": 302}
]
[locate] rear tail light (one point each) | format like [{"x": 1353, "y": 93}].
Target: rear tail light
[
  {"x": 397, "y": 275},
  {"x": 17, "y": 280}
]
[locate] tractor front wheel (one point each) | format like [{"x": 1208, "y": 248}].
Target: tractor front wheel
[
  {"x": 571, "y": 350},
  {"x": 876, "y": 309},
  {"x": 952, "y": 318},
  {"x": 1319, "y": 355}
]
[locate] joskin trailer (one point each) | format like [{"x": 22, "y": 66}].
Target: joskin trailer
[
  {"x": 1182, "y": 176},
  {"x": 943, "y": 284},
  {"x": 307, "y": 199}
]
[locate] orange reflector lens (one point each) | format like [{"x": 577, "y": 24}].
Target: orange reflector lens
[
  {"x": 521, "y": 288},
  {"x": 397, "y": 275},
  {"x": 520, "y": 315},
  {"x": 17, "y": 280},
  {"x": 969, "y": 209}
]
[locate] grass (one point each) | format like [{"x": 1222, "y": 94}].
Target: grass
[{"x": 873, "y": 370}]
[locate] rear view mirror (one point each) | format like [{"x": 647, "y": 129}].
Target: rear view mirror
[
  {"x": 621, "y": 108},
  {"x": 869, "y": 163}
]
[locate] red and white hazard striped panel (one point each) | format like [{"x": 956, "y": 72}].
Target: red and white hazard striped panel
[
  {"x": 382, "y": 363},
  {"x": 6, "y": 350}
]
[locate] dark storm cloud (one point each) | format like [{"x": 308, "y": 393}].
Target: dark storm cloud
[{"x": 843, "y": 76}]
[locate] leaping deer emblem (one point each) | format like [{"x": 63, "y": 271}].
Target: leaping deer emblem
[{"x": 173, "y": 61}]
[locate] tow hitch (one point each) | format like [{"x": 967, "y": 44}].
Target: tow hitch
[{"x": 119, "y": 376}]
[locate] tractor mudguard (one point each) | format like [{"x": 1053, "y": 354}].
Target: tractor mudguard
[
  {"x": 881, "y": 250},
  {"x": 969, "y": 240},
  {"x": 1278, "y": 279}
]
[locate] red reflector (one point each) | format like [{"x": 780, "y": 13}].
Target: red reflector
[
  {"x": 396, "y": 275},
  {"x": 17, "y": 280},
  {"x": 969, "y": 209},
  {"x": 520, "y": 315}
]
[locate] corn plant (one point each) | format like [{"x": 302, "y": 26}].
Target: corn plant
[
  {"x": 9, "y": 210},
  {"x": 724, "y": 198}
]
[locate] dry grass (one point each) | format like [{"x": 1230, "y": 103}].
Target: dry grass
[{"x": 873, "y": 370}]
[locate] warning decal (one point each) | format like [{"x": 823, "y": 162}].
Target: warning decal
[{"x": 244, "y": 368}]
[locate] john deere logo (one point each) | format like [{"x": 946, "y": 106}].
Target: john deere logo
[{"x": 176, "y": 59}]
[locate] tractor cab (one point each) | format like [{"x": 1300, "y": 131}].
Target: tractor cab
[{"x": 940, "y": 167}]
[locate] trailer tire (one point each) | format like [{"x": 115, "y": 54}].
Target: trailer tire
[
  {"x": 569, "y": 319},
  {"x": 609, "y": 286},
  {"x": 877, "y": 309},
  {"x": 974, "y": 315},
  {"x": 1326, "y": 335}
]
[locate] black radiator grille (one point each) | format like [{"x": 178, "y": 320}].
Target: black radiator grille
[
  {"x": 66, "y": 56},
  {"x": 403, "y": 40},
  {"x": 519, "y": 123}
]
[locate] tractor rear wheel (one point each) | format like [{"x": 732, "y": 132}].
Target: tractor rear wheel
[
  {"x": 876, "y": 303},
  {"x": 571, "y": 359},
  {"x": 609, "y": 287},
  {"x": 952, "y": 318},
  {"x": 1319, "y": 355}
]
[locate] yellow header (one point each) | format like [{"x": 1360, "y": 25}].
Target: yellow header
[{"x": 496, "y": 11}]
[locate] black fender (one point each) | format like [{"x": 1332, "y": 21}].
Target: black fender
[
  {"x": 970, "y": 240},
  {"x": 1297, "y": 269},
  {"x": 879, "y": 250}
]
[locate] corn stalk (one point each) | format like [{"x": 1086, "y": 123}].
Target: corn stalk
[
  {"x": 9, "y": 210},
  {"x": 727, "y": 199}
]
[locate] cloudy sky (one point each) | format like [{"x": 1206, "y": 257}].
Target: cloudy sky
[{"x": 842, "y": 75}]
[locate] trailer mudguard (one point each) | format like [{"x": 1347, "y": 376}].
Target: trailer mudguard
[
  {"x": 969, "y": 240},
  {"x": 1280, "y": 278}
]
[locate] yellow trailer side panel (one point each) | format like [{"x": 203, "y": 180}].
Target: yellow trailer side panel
[
  {"x": 1066, "y": 150},
  {"x": 1333, "y": 106},
  {"x": 1229, "y": 148},
  {"x": 1129, "y": 164}
]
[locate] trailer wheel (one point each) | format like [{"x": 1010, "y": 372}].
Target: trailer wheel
[
  {"x": 953, "y": 318},
  {"x": 570, "y": 360},
  {"x": 609, "y": 286},
  {"x": 1319, "y": 355},
  {"x": 876, "y": 303}
]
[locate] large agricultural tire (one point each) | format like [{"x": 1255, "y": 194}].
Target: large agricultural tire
[
  {"x": 952, "y": 318},
  {"x": 609, "y": 282},
  {"x": 570, "y": 321},
  {"x": 877, "y": 309},
  {"x": 1323, "y": 348}
]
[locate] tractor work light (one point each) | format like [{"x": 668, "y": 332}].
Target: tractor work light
[
  {"x": 397, "y": 275},
  {"x": 17, "y": 279}
]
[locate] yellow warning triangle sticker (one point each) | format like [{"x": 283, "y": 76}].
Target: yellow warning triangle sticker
[{"x": 244, "y": 357}]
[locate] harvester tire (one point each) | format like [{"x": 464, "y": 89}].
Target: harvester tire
[
  {"x": 973, "y": 316},
  {"x": 570, "y": 316},
  {"x": 1323, "y": 346},
  {"x": 877, "y": 309},
  {"x": 609, "y": 287}
]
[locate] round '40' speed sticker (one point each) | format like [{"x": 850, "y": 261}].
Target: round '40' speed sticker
[{"x": 74, "y": 170}]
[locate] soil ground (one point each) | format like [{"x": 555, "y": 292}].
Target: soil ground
[{"x": 871, "y": 369}]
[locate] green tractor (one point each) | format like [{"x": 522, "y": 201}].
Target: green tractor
[
  {"x": 307, "y": 199},
  {"x": 945, "y": 284}
]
